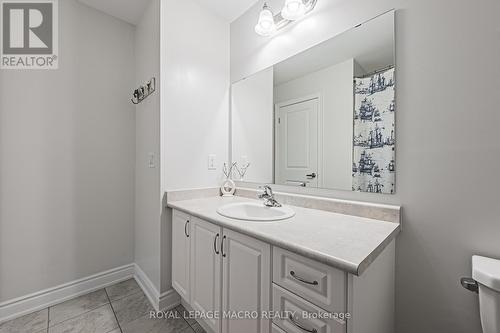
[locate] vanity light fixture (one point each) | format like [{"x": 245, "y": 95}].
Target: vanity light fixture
[
  {"x": 293, "y": 10},
  {"x": 266, "y": 25}
]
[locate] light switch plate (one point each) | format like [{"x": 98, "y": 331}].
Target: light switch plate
[
  {"x": 151, "y": 161},
  {"x": 212, "y": 164}
]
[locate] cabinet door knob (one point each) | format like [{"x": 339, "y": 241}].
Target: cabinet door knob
[
  {"x": 185, "y": 228},
  {"x": 215, "y": 244},
  {"x": 222, "y": 246},
  {"x": 312, "y": 175}
]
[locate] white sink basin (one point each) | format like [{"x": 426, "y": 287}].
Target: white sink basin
[{"x": 252, "y": 211}]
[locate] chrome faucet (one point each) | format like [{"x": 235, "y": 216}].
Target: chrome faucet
[{"x": 268, "y": 197}]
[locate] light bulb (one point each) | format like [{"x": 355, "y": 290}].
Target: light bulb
[
  {"x": 265, "y": 26},
  {"x": 293, "y": 10}
]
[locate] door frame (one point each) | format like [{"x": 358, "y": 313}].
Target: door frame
[{"x": 276, "y": 150}]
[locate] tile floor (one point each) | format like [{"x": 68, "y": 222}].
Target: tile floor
[{"x": 121, "y": 308}]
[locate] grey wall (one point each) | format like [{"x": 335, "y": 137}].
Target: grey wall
[
  {"x": 195, "y": 95},
  {"x": 67, "y": 158},
  {"x": 448, "y": 150},
  {"x": 194, "y": 104},
  {"x": 147, "y": 181}
]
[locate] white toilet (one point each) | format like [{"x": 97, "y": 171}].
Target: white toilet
[{"x": 486, "y": 272}]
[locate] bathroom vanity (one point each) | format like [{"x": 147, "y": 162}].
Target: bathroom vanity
[
  {"x": 318, "y": 271},
  {"x": 321, "y": 119}
]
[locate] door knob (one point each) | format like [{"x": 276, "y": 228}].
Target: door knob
[{"x": 311, "y": 176}]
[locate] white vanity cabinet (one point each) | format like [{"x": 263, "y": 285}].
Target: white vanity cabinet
[
  {"x": 219, "y": 271},
  {"x": 302, "y": 285},
  {"x": 181, "y": 248},
  {"x": 228, "y": 272}
]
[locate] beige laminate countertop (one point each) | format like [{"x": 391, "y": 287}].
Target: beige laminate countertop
[{"x": 349, "y": 243}]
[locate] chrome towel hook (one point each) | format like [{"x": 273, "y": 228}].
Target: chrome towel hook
[{"x": 144, "y": 91}]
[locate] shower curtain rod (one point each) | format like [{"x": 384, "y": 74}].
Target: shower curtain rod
[{"x": 380, "y": 70}]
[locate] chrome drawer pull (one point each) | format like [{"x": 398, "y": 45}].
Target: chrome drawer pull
[
  {"x": 313, "y": 330},
  {"x": 215, "y": 244},
  {"x": 222, "y": 246},
  {"x": 185, "y": 228},
  {"x": 314, "y": 283}
]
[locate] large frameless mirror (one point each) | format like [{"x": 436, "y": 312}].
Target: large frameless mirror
[{"x": 324, "y": 118}]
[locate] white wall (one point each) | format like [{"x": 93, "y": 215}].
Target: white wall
[
  {"x": 334, "y": 85},
  {"x": 252, "y": 120},
  {"x": 147, "y": 180},
  {"x": 195, "y": 95},
  {"x": 194, "y": 105},
  {"x": 447, "y": 147},
  {"x": 67, "y": 158}
]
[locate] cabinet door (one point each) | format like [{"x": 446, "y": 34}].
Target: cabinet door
[
  {"x": 206, "y": 270},
  {"x": 181, "y": 253},
  {"x": 246, "y": 282}
]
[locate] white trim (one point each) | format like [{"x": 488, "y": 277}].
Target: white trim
[
  {"x": 169, "y": 300},
  {"x": 20, "y": 306},
  {"x": 39, "y": 300},
  {"x": 164, "y": 301},
  {"x": 147, "y": 286}
]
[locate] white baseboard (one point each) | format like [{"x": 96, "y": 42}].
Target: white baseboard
[
  {"x": 169, "y": 300},
  {"x": 40, "y": 300},
  {"x": 147, "y": 286},
  {"x": 24, "y": 305},
  {"x": 164, "y": 301}
]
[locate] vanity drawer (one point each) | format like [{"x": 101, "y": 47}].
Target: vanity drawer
[
  {"x": 320, "y": 284},
  {"x": 292, "y": 320}
]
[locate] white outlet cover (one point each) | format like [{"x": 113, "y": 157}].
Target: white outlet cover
[{"x": 212, "y": 164}]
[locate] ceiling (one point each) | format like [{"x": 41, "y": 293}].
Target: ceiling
[
  {"x": 131, "y": 10},
  {"x": 227, "y": 9},
  {"x": 370, "y": 44},
  {"x": 128, "y": 10}
]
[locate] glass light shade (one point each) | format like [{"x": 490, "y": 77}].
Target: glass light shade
[
  {"x": 266, "y": 25},
  {"x": 293, "y": 10}
]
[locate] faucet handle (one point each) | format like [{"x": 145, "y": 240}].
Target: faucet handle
[
  {"x": 267, "y": 189},
  {"x": 268, "y": 192}
]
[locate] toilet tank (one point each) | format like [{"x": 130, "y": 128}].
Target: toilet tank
[{"x": 486, "y": 271}]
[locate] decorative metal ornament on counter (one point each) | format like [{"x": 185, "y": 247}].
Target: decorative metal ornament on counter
[
  {"x": 228, "y": 186},
  {"x": 240, "y": 171},
  {"x": 144, "y": 91}
]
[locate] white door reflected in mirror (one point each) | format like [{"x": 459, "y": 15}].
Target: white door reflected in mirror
[{"x": 297, "y": 140}]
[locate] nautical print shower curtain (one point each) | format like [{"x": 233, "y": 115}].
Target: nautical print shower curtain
[{"x": 373, "y": 168}]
